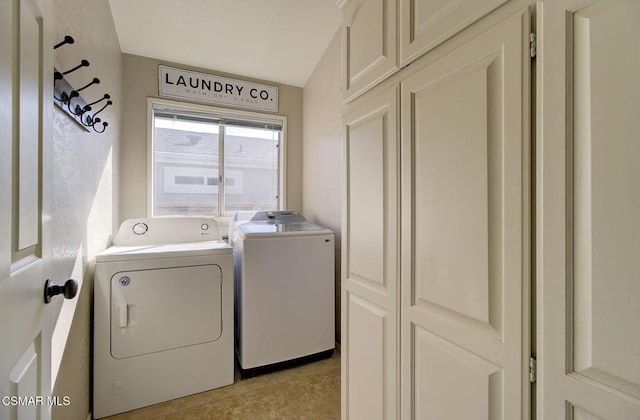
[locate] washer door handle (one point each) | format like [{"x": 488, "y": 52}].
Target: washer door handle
[{"x": 69, "y": 290}]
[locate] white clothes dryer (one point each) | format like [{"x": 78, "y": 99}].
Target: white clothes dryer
[
  {"x": 285, "y": 282},
  {"x": 163, "y": 314}
]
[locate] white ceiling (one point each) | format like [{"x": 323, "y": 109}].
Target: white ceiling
[{"x": 275, "y": 40}]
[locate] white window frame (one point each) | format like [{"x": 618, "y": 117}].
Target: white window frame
[{"x": 232, "y": 114}]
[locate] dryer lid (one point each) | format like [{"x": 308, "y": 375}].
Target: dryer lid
[{"x": 145, "y": 252}]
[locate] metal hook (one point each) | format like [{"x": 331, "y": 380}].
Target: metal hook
[
  {"x": 80, "y": 109},
  {"x": 75, "y": 94},
  {"x": 100, "y": 110},
  {"x": 87, "y": 107},
  {"x": 104, "y": 127},
  {"x": 95, "y": 81},
  {"x": 83, "y": 63},
  {"x": 77, "y": 111},
  {"x": 65, "y": 97},
  {"x": 67, "y": 40},
  {"x": 58, "y": 76},
  {"x": 91, "y": 119}
]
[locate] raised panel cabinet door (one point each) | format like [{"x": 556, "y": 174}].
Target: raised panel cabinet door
[
  {"x": 368, "y": 44},
  {"x": 370, "y": 260},
  {"x": 465, "y": 231},
  {"x": 26, "y": 115},
  {"x": 587, "y": 205},
  {"x": 424, "y": 24}
]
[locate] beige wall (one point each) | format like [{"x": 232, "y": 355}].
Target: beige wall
[
  {"x": 322, "y": 150},
  {"x": 85, "y": 191},
  {"x": 140, "y": 83}
]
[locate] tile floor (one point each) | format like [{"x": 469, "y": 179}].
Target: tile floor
[{"x": 311, "y": 391}]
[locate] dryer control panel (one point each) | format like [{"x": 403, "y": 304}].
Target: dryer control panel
[{"x": 167, "y": 230}]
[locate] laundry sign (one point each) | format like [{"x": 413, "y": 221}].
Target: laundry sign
[{"x": 201, "y": 87}]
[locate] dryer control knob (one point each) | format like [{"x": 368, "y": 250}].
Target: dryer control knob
[{"x": 140, "y": 228}]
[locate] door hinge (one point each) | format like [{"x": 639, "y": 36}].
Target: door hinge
[
  {"x": 532, "y": 369},
  {"x": 533, "y": 46}
]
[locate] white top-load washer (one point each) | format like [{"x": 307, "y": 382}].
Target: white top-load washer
[
  {"x": 163, "y": 308},
  {"x": 285, "y": 282}
]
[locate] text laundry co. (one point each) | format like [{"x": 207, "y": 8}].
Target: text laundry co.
[{"x": 186, "y": 84}]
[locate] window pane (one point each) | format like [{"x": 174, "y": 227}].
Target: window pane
[
  {"x": 185, "y": 167},
  {"x": 189, "y": 180},
  {"x": 251, "y": 168}
]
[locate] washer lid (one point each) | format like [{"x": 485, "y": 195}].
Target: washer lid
[
  {"x": 269, "y": 229},
  {"x": 264, "y": 224},
  {"x": 145, "y": 252},
  {"x": 277, "y": 216}
]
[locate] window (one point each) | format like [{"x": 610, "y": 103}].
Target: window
[{"x": 195, "y": 147}]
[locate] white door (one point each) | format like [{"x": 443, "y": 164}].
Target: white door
[
  {"x": 588, "y": 208},
  {"x": 465, "y": 231},
  {"x": 26, "y": 76},
  {"x": 425, "y": 24},
  {"x": 369, "y": 51},
  {"x": 370, "y": 260}
]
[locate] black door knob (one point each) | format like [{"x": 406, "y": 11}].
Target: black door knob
[{"x": 70, "y": 289}]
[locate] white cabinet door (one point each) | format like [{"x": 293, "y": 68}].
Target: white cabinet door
[
  {"x": 368, "y": 44},
  {"x": 370, "y": 261},
  {"x": 424, "y": 24},
  {"x": 587, "y": 205},
  {"x": 26, "y": 106},
  {"x": 465, "y": 231}
]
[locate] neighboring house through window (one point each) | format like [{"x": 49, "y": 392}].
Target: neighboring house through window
[{"x": 195, "y": 147}]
